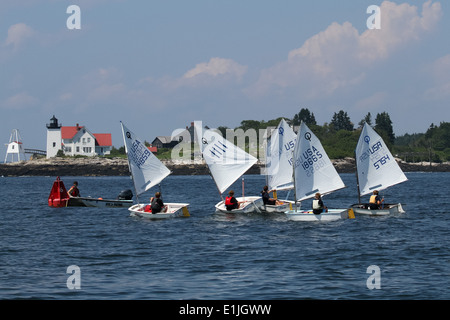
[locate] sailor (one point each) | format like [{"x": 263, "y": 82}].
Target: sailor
[
  {"x": 375, "y": 201},
  {"x": 157, "y": 203},
  {"x": 73, "y": 191},
  {"x": 317, "y": 204},
  {"x": 231, "y": 202},
  {"x": 266, "y": 197}
]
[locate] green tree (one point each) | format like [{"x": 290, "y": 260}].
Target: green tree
[
  {"x": 367, "y": 119},
  {"x": 383, "y": 125},
  {"x": 305, "y": 116},
  {"x": 341, "y": 121}
]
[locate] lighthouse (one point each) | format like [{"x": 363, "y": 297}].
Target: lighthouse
[
  {"x": 15, "y": 147},
  {"x": 54, "y": 140}
]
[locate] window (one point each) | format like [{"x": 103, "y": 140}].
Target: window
[
  {"x": 54, "y": 144},
  {"x": 78, "y": 149}
]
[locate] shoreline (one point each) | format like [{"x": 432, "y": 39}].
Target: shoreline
[{"x": 119, "y": 167}]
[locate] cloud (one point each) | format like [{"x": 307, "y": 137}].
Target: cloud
[
  {"x": 340, "y": 57},
  {"x": 440, "y": 73},
  {"x": 217, "y": 67},
  {"x": 19, "y": 101},
  {"x": 18, "y": 34}
]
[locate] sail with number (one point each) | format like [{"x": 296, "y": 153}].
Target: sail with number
[
  {"x": 279, "y": 157},
  {"x": 146, "y": 169},
  {"x": 225, "y": 161},
  {"x": 377, "y": 168},
  {"x": 313, "y": 170}
]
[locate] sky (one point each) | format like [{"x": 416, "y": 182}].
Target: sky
[{"x": 160, "y": 65}]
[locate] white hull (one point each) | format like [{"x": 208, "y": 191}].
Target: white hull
[
  {"x": 252, "y": 204},
  {"x": 99, "y": 203},
  {"x": 387, "y": 210},
  {"x": 282, "y": 208},
  {"x": 173, "y": 210},
  {"x": 331, "y": 215}
]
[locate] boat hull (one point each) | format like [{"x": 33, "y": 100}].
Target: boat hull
[
  {"x": 173, "y": 210},
  {"x": 331, "y": 215},
  {"x": 387, "y": 210},
  {"x": 250, "y": 205},
  {"x": 282, "y": 208},
  {"x": 99, "y": 203}
]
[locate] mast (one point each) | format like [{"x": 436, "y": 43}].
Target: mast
[
  {"x": 293, "y": 176},
  {"x": 357, "y": 180},
  {"x": 128, "y": 161}
]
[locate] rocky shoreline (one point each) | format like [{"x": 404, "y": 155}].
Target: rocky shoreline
[{"x": 119, "y": 167}]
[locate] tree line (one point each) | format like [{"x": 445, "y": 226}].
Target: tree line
[{"x": 340, "y": 136}]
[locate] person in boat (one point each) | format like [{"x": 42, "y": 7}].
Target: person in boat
[
  {"x": 74, "y": 191},
  {"x": 157, "y": 204},
  {"x": 231, "y": 202},
  {"x": 266, "y": 197},
  {"x": 375, "y": 202},
  {"x": 317, "y": 204}
]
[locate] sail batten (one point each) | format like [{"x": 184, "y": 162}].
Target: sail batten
[{"x": 377, "y": 168}]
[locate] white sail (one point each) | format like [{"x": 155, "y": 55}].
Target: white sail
[
  {"x": 377, "y": 168},
  {"x": 279, "y": 157},
  {"x": 225, "y": 161},
  {"x": 145, "y": 167},
  {"x": 314, "y": 172}
]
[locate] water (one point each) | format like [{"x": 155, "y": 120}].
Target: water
[{"x": 214, "y": 256}]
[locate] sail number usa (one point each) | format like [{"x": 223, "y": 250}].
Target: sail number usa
[
  {"x": 373, "y": 151},
  {"x": 139, "y": 153},
  {"x": 310, "y": 160}
]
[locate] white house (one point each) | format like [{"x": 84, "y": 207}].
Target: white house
[{"x": 76, "y": 140}]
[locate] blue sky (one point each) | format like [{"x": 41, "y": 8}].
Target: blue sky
[{"x": 158, "y": 65}]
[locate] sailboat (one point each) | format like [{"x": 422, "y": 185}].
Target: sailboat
[
  {"x": 376, "y": 170},
  {"x": 279, "y": 165},
  {"x": 147, "y": 171},
  {"x": 313, "y": 172},
  {"x": 227, "y": 163}
]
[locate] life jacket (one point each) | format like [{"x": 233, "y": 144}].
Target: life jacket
[
  {"x": 148, "y": 208},
  {"x": 74, "y": 192},
  {"x": 228, "y": 201},
  {"x": 373, "y": 199},
  {"x": 316, "y": 205}
]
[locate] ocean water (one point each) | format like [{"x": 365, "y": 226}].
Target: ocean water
[{"x": 215, "y": 256}]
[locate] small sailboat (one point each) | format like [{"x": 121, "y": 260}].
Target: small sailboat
[
  {"x": 227, "y": 163},
  {"x": 147, "y": 171},
  {"x": 279, "y": 165},
  {"x": 313, "y": 173},
  {"x": 376, "y": 169}
]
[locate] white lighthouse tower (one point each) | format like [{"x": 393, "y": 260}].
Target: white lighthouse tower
[
  {"x": 54, "y": 139},
  {"x": 15, "y": 147}
]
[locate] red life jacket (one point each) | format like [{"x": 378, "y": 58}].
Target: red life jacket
[
  {"x": 74, "y": 192},
  {"x": 228, "y": 201},
  {"x": 148, "y": 208}
]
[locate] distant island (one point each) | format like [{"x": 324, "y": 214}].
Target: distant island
[{"x": 100, "y": 166}]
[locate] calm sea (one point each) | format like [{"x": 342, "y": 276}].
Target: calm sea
[{"x": 212, "y": 256}]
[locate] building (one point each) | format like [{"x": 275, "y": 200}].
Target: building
[
  {"x": 76, "y": 140},
  {"x": 186, "y": 135},
  {"x": 15, "y": 147}
]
